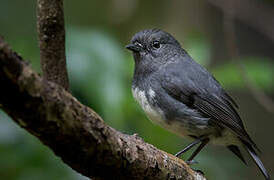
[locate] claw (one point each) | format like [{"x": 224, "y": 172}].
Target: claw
[
  {"x": 199, "y": 171},
  {"x": 192, "y": 162}
]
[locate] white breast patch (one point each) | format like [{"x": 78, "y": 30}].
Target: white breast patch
[{"x": 154, "y": 114}]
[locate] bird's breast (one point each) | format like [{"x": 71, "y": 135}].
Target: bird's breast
[
  {"x": 144, "y": 98},
  {"x": 156, "y": 115}
]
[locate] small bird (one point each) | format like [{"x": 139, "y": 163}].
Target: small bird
[{"x": 183, "y": 97}]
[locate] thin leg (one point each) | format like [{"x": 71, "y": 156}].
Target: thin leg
[
  {"x": 188, "y": 147},
  {"x": 200, "y": 147}
]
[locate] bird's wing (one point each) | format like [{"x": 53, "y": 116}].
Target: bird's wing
[{"x": 197, "y": 89}]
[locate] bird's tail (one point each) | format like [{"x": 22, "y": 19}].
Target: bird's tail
[{"x": 256, "y": 159}]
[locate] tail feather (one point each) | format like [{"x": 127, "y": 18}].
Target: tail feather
[
  {"x": 237, "y": 152},
  {"x": 256, "y": 159}
]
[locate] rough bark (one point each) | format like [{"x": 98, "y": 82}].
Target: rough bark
[
  {"x": 75, "y": 132},
  {"x": 51, "y": 34}
]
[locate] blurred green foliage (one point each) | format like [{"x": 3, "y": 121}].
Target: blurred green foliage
[
  {"x": 258, "y": 70},
  {"x": 100, "y": 71}
]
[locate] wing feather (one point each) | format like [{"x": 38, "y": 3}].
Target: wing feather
[{"x": 197, "y": 89}]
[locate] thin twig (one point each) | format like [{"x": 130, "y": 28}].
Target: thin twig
[
  {"x": 230, "y": 38},
  {"x": 252, "y": 13}
]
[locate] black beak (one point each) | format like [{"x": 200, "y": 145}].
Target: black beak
[{"x": 134, "y": 47}]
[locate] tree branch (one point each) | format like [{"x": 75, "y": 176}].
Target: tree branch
[
  {"x": 51, "y": 33},
  {"x": 75, "y": 132}
]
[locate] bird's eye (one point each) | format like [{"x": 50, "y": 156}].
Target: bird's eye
[{"x": 156, "y": 44}]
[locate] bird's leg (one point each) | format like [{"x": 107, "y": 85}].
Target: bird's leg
[
  {"x": 190, "y": 160},
  {"x": 198, "y": 140},
  {"x": 200, "y": 147}
]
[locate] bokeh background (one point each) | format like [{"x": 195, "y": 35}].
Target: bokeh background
[{"x": 100, "y": 72}]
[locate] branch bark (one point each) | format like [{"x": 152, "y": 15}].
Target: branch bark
[
  {"x": 51, "y": 34},
  {"x": 75, "y": 132}
]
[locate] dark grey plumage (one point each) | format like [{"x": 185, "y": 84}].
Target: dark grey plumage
[{"x": 183, "y": 97}]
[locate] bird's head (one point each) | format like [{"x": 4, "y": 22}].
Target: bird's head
[{"x": 152, "y": 48}]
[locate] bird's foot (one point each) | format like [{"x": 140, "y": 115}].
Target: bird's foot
[
  {"x": 198, "y": 171},
  {"x": 178, "y": 154},
  {"x": 191, "y": 162}
]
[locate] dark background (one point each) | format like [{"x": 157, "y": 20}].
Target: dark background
[{"x": 100, "y": 71}]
